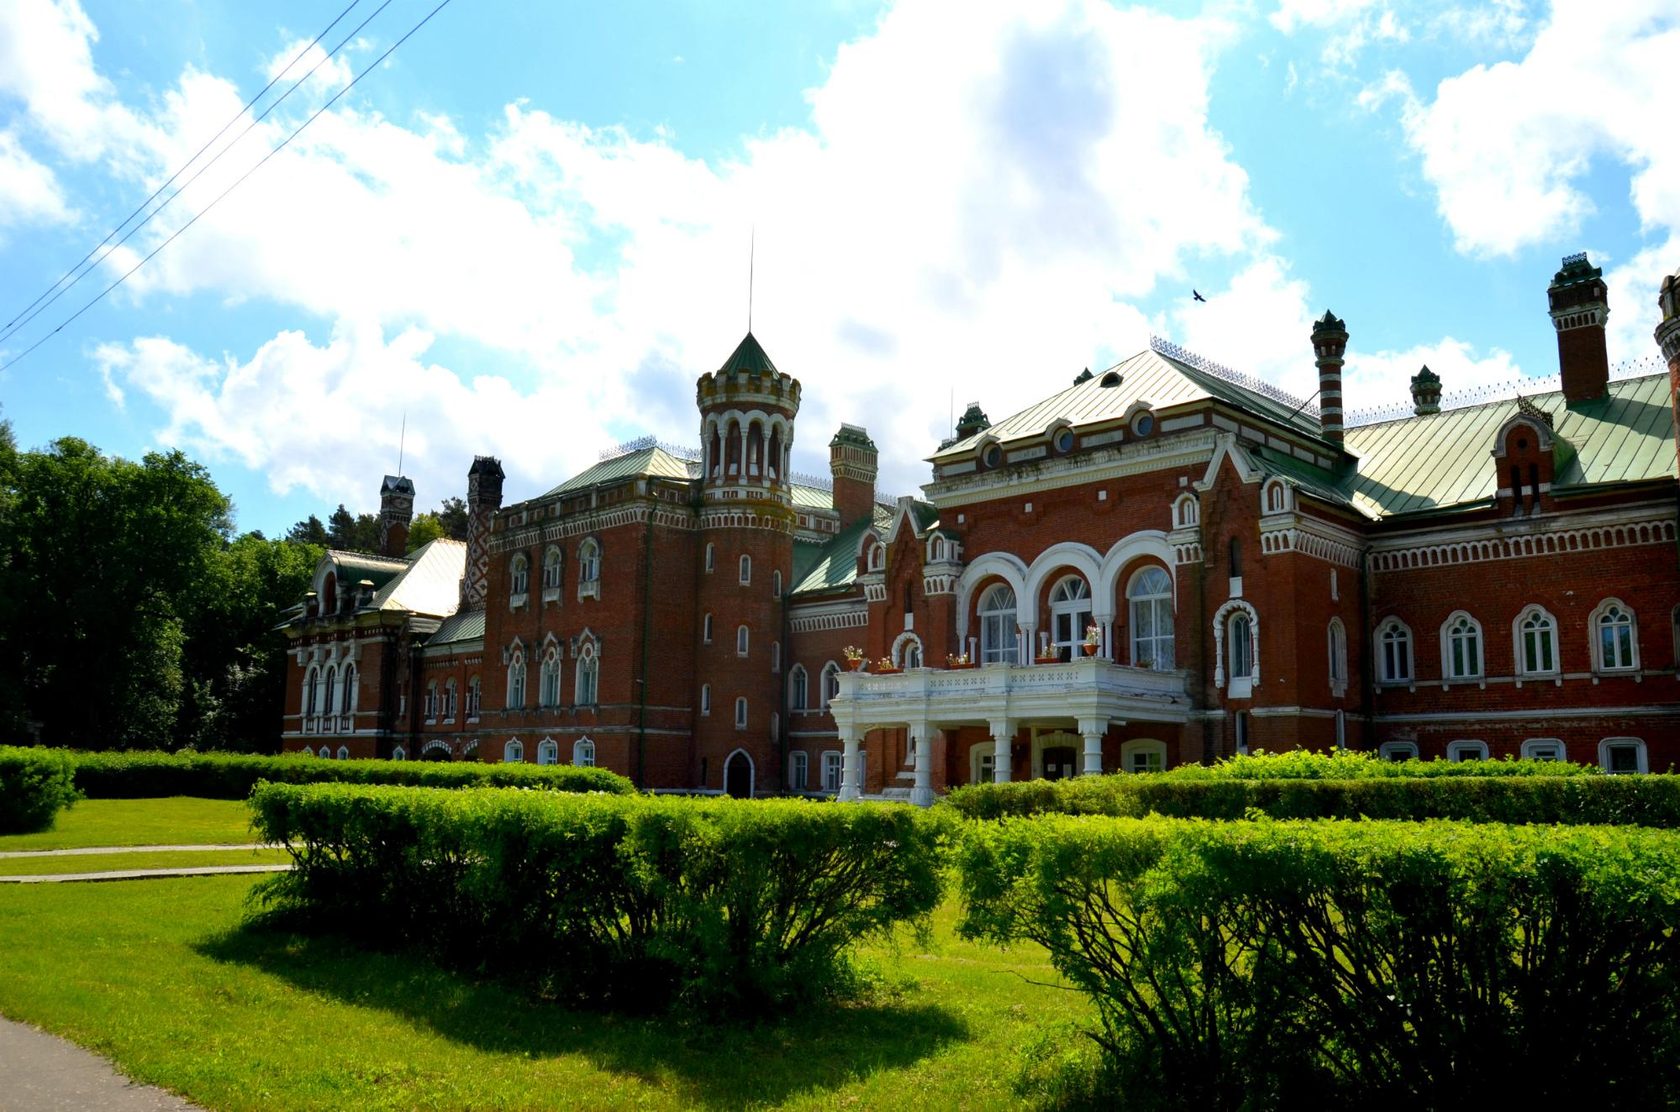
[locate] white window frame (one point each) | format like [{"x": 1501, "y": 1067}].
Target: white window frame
[
  {"x": 1536, "y": 745},
  {"x": 776, "y": 583},
  {"x": 745, "y": 576},
  {"x": 833, "y": 769},
  {"x": 589, "y": 568},
  {"x": 743, "y": 640},
  {"x": 799, "y": 689},
  {"x": 740, "y": 712},
  {"x": 586, "y": 690},
  {"x": 1151, "y": 750},
  {"x": 799, "y": 770},
  {"x": 311, "y": 679},
  {"x": 1146, "y": 649},
  {"x": 397, "y": 754},
  {"x": 705, "y": 699},
  {"x": 1070, "y": 614},
  {"x": 830, "y": 682},
  {"x": 449, "y": 699},
  {"x": 519, "y": 578},
  {"x": 907, "y": 651},
  {"x": 1606, "y": 746},
  {"x": 1532, "y": 611},
  {"x": 1599, "y": 614},
  {"x": 431, "y": 705},
  {"x": 1336, "y": 645},
  {"x": 1224, "y": 621},
  {"x": 1398, "y": 750},
  {"x": 711, "y": 557},
  {"x": 516, "y": 680},
  {"x": 1473, "y": 633},
  {"x": 513, "y": 752},
  {"x": 475, "y": 694},
  {"x": 982, "y": 762},
  {"x": 348, "y": 693},
  {"x": 1467, "y": 749},
  {"x": 999, "y": 622},
  {"x": 1397, "y": 633},
  {"x": 553, "y": 568},
  {"x": 775, "y": 658},
  {"x": 548, "y": 673},
  {"x": 706, "y": 629},
  {"x": 326, "y": 753},
  {"x": 548, "y": 751},
  {"x": 583, "y": 753},
  {"x": 343, "y": 752}
]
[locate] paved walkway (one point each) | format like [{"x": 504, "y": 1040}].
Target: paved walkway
[
  {"x": 44, "y": 1073},
  {"x": 80, "y": 851},
  {"x": 143, "y": 874}
]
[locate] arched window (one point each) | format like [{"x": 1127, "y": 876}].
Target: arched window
[
  {"x": 343, "y": 752},
  {"x": 513, "y": 751},
  {"x": 548, "y": 751},
  {"x": 326, "y": 752},
  {"x": 1544, "y": 749},
  {"x": 1394, "y": 652},
  {"x": 1277, "y": 497},
  {"x": 588, "y": 676},
  {"x": 997, "y": 626},
  {"x": 1186, "y": 511},
  {"x": 876, "y": 559},
  {"x": 711, "y": 556},
  {"x": 432, "y": 701},
  {"x": 519, "y": 575},
  {"x": 516, "y": 679},
  {"x": 741, "y": 713},
  {"x": 1461, "y": 647},
  {"x": 746, "y": 569},
  {"x": 449, "y": 700},
  {"x": 1239, "y": 646},
  {"x": 1338, "y": 657},
  {"x": 1615, "y": 642},
  {"x": 1535, "y": 632},
  {"x": 1149, "y": 596},
  {"x": 1070, "y": 613},
  {"x": 912, "y": 657},
  {"x": 331, "y": 687},
  {"x": 799, "y": 695},
  {"x": 551, "y": 569},
  {"x": 705, "y": 698},
  {"x": 776, "y": 583},
  {"x": 347, "y": 699},
  {"x": 1236, "y": 650},
  {"x": 548, "y": 691},
  {"x": 311, "y": 679},
  {"x": 1622, "y": 754},
  {"x": 775, "y": 657},
  {"x": 1143, "y": 755},
  {"x": 589, "y": 569},
  {"x": 583, "y": 753},
  {"x": 706, "y": 630},
  {"x": 741, "y": 638},
  {"x": 397, "y": 754},
  {"x": 473, "y": 690},
  {"x": 830, "y": 683}
]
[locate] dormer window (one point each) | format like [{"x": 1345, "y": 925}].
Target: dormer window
[
  {"x": 1063, "y": 441},
  {"x": 991, "y": 456},
  {"x": 1143, "y": 424}
]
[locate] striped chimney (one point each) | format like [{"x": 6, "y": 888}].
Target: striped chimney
[{"x": 1329, "y": 339}]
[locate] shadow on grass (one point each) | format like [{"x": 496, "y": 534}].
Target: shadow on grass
[{"x": 711, "y": 1063}]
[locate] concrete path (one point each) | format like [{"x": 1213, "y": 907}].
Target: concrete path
[
  {"x": 89, "y": 850},
  {"x": 44, "y": 1073},
  {"x": 143, "y": 874}
]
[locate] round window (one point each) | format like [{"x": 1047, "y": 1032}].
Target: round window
[
  {"x": 1064, "y": 440},
  {"x": 992, "y": 456},
  {"x": 1144, "y": 425}
]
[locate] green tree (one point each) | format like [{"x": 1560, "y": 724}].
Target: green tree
[
  {"x": 352, "y": 532},
  {"x": 426, "y": 528},
  {"x": 100, "y": 561},
  {"x": 309, "y": 531},
  {"x": 452, "y": 515}
]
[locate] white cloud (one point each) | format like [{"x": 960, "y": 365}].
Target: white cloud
[
  {"x": 1380, "y": 379},
  {"x": 29, "y": 192},
  {"x": 326, "y": 74}
]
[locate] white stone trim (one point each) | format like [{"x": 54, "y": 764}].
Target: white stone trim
[
  {"x": 1220, "y": 618},
  {"x": 1550, "y": 536},
  {"x": 829, "y": 615}
]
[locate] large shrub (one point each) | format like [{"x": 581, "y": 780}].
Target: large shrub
[
  {"x": 1529, "y": 797},
  {"x": 1350, "y": 764},
  {"x": 627, "y": 902},
  {"x": 35, "y": 785},
  {"x": 144, "y": 775},
  {"x": 1334, "y": 964}
]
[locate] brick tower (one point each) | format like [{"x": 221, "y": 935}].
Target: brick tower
[
  {"x": 484, "y": 498},
  {"x": 1668, "y": 338},
  {"x": 1329, "y": 340},
  {"x": 396, "y": 514},
  {"x": 1579, "y": 304},
  {"x": 747, "y": 408}
]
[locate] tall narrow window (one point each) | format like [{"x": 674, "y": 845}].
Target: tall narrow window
[
  {"x": 589, "y": 569},
  {"x": 516, "y": 680},
  {"x": 549, "y": 690},
  {"x": 997, "y": 626},
  {"x": 1394, "y": 652},
  {"x": 309, "y": 683},
  {"x": 706, "y": 630},
  {"x": 746, "y": 569},
  {"x": 1150, "y": 598},
  {"x": 1614, "y": 642},
  {"x": 1236, "y": 557},
  {"x": 472, "y": 699},
  {"x": 799, "y": 695},
  {"x": 1338, "y": 656},
  {"x": 588, "y": 677},
  {"x": 332, "y": 686},
  {"x": 583, "y": 753},
  {"x": 1239, "y": 647},
  {"x": 519, "y": 575},
  {"x": 1461, "y": 647},
  {"x": 1536, "y": 636},
  {"x": 347, "y": 700},
  {"x": 449, "y": 700},
  {"x": 711, "y": 556},
  {"x": 741, "y": 713},
  {"x": 775, "y": 657},
  {"x": 705, "y": 698},
  {"x": 1070, "y": 613},
  {"x": 431, "y": 701},
  {"x": 776, "y": 583},
  {"x": 799, "y": 771},
  {"x": 830, "y": 683},
  {"x": 551, "y": 569},
  {"x": 741, "y": 636}
]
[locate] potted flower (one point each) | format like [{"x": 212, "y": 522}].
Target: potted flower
[
  {"x": 1093, "y": 635},
  {"x": 958, "y": 660},
  {"x": 854, "y": 657},
  {"x": 885, "y": 667}
]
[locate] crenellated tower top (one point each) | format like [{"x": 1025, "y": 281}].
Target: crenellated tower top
[{"x": 747, "y": 409}]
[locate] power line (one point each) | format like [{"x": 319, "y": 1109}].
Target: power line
[
  {"x": 156, "y": 192},
  {"x": 237, "y": 183}
]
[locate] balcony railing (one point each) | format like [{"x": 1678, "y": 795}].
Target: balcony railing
[{"x": 1086, "y": 686}]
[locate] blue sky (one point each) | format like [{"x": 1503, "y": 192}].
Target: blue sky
[{"x": 526, "y": 233}]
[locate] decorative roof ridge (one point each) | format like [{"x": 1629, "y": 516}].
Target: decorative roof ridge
[
  {"x": 1505, "y": 391},
  {"x": 1162, "y": 346},
  {"x": 643, "y": 443}
]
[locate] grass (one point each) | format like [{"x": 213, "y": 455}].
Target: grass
[
  {"x": 164, "y": 859},
  {"x": 159, "y": 976},
  {"x": 179, "y": 820}
]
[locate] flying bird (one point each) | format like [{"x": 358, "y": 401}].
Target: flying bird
[{"x": 1197, "y": 295}]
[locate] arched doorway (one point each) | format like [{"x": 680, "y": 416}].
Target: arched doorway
[
  {"x": 738, "y": 775},
  {"x": 436, "y": 751}
]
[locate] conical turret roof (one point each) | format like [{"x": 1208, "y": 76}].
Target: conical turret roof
[{"x": 748, "y": 358}]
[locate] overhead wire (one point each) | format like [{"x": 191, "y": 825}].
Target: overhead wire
[
  {"x": 236, "y": 184},
  {"x": 141, "y": 207}
]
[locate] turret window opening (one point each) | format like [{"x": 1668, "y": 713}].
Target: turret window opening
[
  {"x": 1150, "y": 600},
  {"x": 732, "y": 450},
  {"x": 775, "y": 458},
  {"x": 714, "y": 454},
  {"x": 998, "y": 626},
  {"x": 1070, "y": 613},
  {"x": 755, "y": 450},
  {"x": 746, "y": 569},
  {"x": 776, "y": 583}
]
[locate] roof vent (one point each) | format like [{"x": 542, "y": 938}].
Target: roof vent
[{"x": 1111, "y": 379}]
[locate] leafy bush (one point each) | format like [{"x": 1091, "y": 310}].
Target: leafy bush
[
  {"x": 1348, "y": 764},
  {"x": 631, "y": 902},
  {"x": 145, "y": 775},
  {"x": 35, "y": 785},
  {"x": 1501, "y": 797},
  {"x": 1335, "y": 964}
]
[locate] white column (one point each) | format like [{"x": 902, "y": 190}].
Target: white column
[
  {"x": 1092, "y": 730},
  {"x": 1025, "y": 651},
  {"x": 1003, "y": 733},
  {"x": 922, "y": 794},
  {"x": 849, "y": 765},
  {"x": 1107, "y": 650}
]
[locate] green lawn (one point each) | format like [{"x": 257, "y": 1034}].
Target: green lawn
[
  {"x": 180, "y": 820},
  {"x": 157, "y": 975},
  {"x": 164, "y": 859}
]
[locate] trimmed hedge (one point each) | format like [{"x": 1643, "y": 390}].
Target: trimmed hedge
[
  {"x": 1336, "y": 964},
  {"x": 1590, "y": 800},
  {"x": 631, "y": 903},
  {"x": 35, "y": 785},
  {"x": 1348, "y": 764},
  {"x": 144, "y": 775}
]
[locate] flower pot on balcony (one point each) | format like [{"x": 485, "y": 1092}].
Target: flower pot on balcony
[
  {"x": 1090, "y": 650},
  {"x": 879, "y": 671},
  {"x": 959, "y": 667},
  {"x": 854, "y": 665},
  {"x": 1048, "y": 660}
]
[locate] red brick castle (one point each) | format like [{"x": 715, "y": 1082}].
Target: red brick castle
[{"x": 1164, "y": 562}]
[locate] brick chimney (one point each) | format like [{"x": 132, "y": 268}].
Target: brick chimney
[
  {"x": 1579, "y": 308},
  {"x": 396, "y": 513},
  {"x": 484, "y": 498},
  {"x": 1329, "y": 340},
  {"x": 1426, "y": 392},
  {"x": 1668, "y": 339},
  {"x": 852, "y": 461},
  {"x": 974, "y": 419}
]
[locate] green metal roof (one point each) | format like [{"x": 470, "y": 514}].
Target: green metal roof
[
  {"x": 831, "y": 564},
  {"x": 356, "y": 566},
  {"x": 807, "y": 497},
  {"x": 1156, "y": 380},
  {"x": 747, "y": 358},
  {"x": 646, "y": 463},
  {"x": 1443, "y": 459},
  {"x": 468, "y": 625}
]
